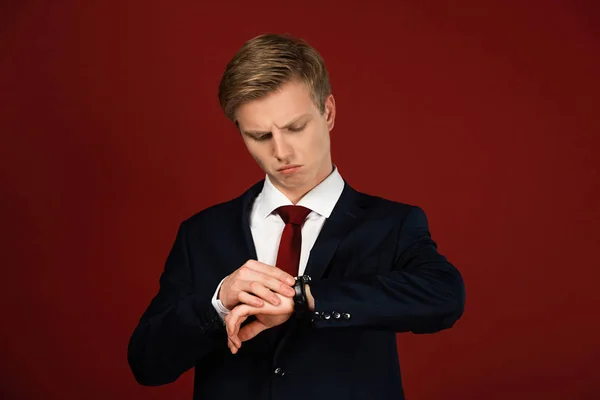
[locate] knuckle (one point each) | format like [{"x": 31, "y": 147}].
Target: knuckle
[
  {"x": 274, "y": 283},
  {"x": 283, "y": 287}
]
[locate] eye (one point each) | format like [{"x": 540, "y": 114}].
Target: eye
[
  {"x": 262, "y": 138},
  {"x": 296, "y": 128}
]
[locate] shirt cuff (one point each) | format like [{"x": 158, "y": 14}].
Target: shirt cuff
[{"x": 218, "y": 305}]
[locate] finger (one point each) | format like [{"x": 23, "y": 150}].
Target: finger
[
  {"x": 280, "y": 285},
  {"x": 234, "y": 349},
  {"x": 233, "y": 346},
  {"x": 261, "y": 291},
  {"x": 251, "y": 330},
  {"x": 236, "y": 317},
  {"x": 236, "y": 342},
  {"x": 270, "y": 271},
  {"x": 235, "y": 330},
  {"x": 282, "y": 288},
  {"x": 233, "y": 342},
  {"x": 247, "y": 298}
]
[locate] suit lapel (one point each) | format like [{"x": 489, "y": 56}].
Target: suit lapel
[
  {"x": 266, "y": 338},
  {"x": 247, "y": 202},
  {"x": 241, "y": 245},
  {"x": 346, "y": 214}
]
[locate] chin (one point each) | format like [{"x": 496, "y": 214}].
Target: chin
[{"x": 293, "y": 182}]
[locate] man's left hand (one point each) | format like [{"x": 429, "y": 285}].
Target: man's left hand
[{"x": 267, "y": 317}]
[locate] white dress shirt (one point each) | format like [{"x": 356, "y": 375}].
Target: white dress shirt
[{"x": 267, "y": 226}]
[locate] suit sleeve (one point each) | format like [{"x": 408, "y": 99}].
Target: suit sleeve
[
  {"x": 423, "y": 293},
  {"x": 178, "y": 328}
]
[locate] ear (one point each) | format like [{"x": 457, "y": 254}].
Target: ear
[{"x": 330, "y": 111}]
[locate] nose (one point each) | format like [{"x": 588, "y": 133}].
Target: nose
[{"x": 281, "y": 148}]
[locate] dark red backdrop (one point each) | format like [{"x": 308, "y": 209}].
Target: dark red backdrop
[{"x": 485, "y": 115}]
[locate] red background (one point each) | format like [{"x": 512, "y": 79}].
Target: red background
[{"x": 485, "y": 113}]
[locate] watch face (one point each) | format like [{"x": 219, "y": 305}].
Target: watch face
[{"x": 300, "y": 301}]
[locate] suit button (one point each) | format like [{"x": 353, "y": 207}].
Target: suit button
[
  {"x": 278, "y": 371},
  {"x": 336, "y": 315},
  {"x": 326, "y": 315},
  {"x": 346, "y": 316}
]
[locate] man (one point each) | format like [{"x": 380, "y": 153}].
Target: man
[{"x": 236, "y": 301}]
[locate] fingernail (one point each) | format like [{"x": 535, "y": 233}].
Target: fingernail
[{"x": 291, "y": 281}]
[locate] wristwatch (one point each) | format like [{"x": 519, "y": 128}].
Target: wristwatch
[{"x": 300, "y": 300}]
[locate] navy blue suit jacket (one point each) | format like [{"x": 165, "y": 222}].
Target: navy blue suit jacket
[{"x": 375, "y": 269}]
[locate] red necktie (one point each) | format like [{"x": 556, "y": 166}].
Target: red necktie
[{"x": 288, "y": 256}]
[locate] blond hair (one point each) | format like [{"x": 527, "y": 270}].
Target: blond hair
[{"x": 267, "y": 62}]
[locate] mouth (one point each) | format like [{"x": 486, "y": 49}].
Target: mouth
[{"x": 289, "y": 169}]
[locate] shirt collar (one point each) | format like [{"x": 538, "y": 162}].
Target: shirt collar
[{"x": 321, "y": 199}]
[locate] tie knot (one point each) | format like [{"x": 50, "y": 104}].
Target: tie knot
[{"x": 293, "y": 214}]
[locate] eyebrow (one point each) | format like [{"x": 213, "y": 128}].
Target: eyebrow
[{"x": 286, "y": 126}]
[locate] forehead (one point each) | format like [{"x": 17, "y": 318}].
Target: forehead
[{"x": 278, "y": 108}]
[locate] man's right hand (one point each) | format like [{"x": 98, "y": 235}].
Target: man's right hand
[{"x": 253, "y": 283}]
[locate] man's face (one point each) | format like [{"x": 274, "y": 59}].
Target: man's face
[{"x": 289, "y": 138}]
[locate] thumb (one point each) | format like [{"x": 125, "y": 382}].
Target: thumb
[{"x": 250, "y": 330}]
